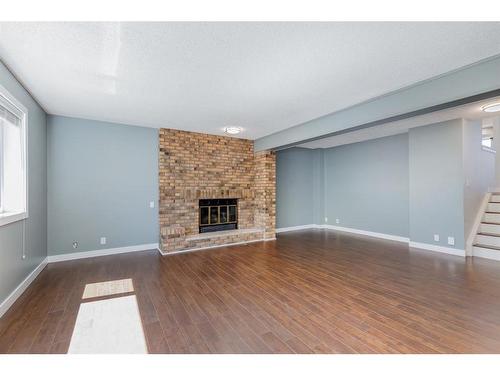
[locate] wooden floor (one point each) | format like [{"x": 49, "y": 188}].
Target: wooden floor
[{"x": 309, "y": 291}]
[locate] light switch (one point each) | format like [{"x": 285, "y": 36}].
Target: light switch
[{"x": 152, "y": 204}]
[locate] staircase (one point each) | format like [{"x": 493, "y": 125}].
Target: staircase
[{"x": 487, "y": 240}]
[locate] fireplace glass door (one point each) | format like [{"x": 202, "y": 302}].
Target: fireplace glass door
[{"x": 218, "y": 214}]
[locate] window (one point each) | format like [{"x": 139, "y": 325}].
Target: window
[
  {"x": 487, "y": 133},
  {"x": 13, "y": 178},
  {"x": 487, "y": 142}
]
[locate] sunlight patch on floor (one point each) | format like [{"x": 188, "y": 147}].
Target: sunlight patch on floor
[
  {"x": 108, "y": 288},
  {"x": 108, "y": 326}
]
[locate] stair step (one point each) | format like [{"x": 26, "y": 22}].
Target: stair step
[
  {"x": 493, "y": 229},
  {"x": 486, "y": 252},
  {"x": 488, "y": 234},
  {"x": 491, "y": 217},
  {"x": 487, "y": 240},
  {"x": 490, "y": 247},
  {"x": 493, "y": 207}
]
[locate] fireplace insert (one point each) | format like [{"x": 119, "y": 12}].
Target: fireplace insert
[{"x": 218, "y": 214}]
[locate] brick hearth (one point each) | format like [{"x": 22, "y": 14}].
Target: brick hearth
[{"x": 195, "y": 166}]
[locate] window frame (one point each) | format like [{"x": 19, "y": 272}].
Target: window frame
[{"x": 10, "y": 101}]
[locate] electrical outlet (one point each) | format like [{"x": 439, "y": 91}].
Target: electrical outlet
[
  {"x": 152, "y": 204},
  {"x": 103, "y": 240},
  {"x": 451, "y": 240},
  {"x": 337, "y": 221},
  {"x": 75, "y": 244},
  {"x": 436, "y": 237},
  {"x": 23, "y": 256},
  {"x": 326, "y": 219}
]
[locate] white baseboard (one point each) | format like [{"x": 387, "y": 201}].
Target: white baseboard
[
  {"x": 99, "y": 253},
  {"x": 366, "y": 233},
  {"x": 298, "y": 227},
  {"x": 482, "y": 252},
  {"x": 345, "y": 229},
  {"x": 9, "y": 301},
  {"x": 439, "y": 249},
  {"x": 417, "y": 245}
]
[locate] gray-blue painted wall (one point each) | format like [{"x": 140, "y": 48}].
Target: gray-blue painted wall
[
  {"x": 294, "y": 185},
  {"x": 366, "y": 185},
  {"x": 319, "y": 186},
  {"x": 101, "y": 178},
  {"x": 437, "y": 183},
  {"x": 410, "y": 185},
  {"x": 13, "y": 269},
  {"x": 479, "y": 173}
]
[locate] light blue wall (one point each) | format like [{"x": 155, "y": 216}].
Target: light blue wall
[
  {"x": 294, "y": 187},
  {"x": 437, "y": 183},
  {"x": 318, "y": 186},
  {"x": 409, "y": 185},
  {"x": 366, "y": 185},
  {"x": 101, "y": 178},
  {"x": 13, "y": 269},
  {"x": 479, "y": 172}
]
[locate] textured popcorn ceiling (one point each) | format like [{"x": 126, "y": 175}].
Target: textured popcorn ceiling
[{"x": 202, "y": 77}]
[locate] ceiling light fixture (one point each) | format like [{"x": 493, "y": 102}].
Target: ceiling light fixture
[
  {"x": 493, "y": 107},
  {"x": 232, "y": 130}
]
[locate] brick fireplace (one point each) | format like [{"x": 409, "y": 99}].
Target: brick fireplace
[{"x": 196, "y": 169}]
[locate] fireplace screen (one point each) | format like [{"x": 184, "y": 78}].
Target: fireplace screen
[{"x": 218, "y": 214}]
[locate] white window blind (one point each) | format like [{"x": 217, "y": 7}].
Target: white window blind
[{"x": 12, "y": 163}]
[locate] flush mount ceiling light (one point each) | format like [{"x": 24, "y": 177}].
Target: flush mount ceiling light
[
  {"x": 232, "y": 130},
  {"x": 493, "y": 107}
]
